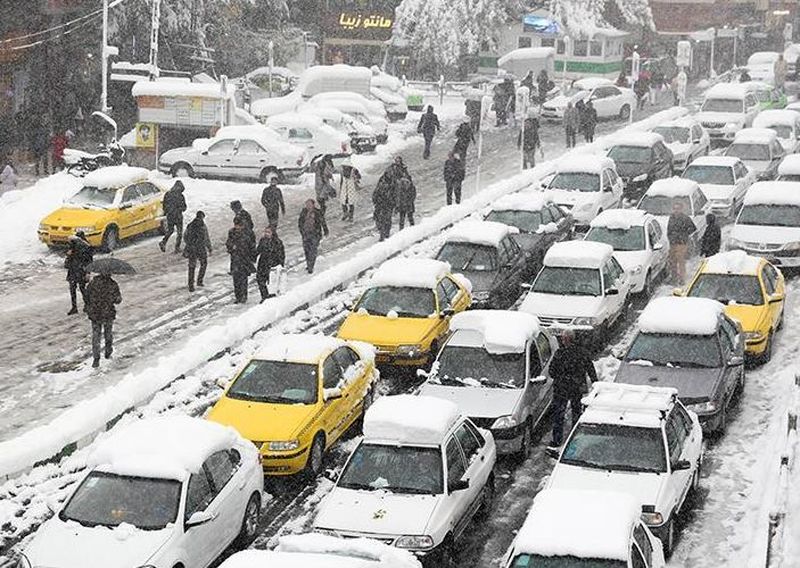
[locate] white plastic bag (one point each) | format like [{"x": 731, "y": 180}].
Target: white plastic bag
[{"x": 277, "y": 280}]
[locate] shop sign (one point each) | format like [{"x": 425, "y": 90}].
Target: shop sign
[
  {"x": 359, "y": 25},
  {"x": 146, "y": 134},
  {"x": 179, "y": 111}
]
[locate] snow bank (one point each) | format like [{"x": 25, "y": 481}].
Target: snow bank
[
  {"x": 410, "y": 272},
  {"x": 299, "y": 348},
  {"x": 755, "y": 136},
  {"x": 523, "y": 201},
  {"x": 172, "y": 88},
  {"x": 622, "y": 219},
  {"x": 673, "y": 187},
  {"x": 732, "y": 262},
  {"x": 681, "y": 316},
  {"x": 790, "y": 166},
  {"x": 485, "y": 233},
  {"x": 503, "y": 331},
  {"x": 583, "y": 254},
  {"x": 115, "y": 176},
  {"x": 773, "y": 193},
  {"x": 409, "y": 419}
]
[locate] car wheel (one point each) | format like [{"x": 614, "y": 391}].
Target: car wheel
[
  {"x": 110, "y": 239},
  {"x": 487, "y": 499},
  {"x": 527, "y": 442},
  {"x": 182, "y": 169},
  {"x": 369, "y": 397},
  {"x": 669, "y": 538},
  {"x": 625, "y": 112},
  {"x": 315, "y": 455},
  {"x": 252, "y": 516},
  {"x": 767, "y": 355}
]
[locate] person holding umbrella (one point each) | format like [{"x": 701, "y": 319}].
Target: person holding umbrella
[{"x": 102, "y": 296}]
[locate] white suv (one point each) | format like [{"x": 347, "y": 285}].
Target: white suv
[
  {"x": 638, "y": 440},
  {"x": 419, "y": 475}
]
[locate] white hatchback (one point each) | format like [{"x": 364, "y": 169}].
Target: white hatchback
[
  {"x": 723, "y": 180},
  {"x": 785, "y": 123},
  {"x": 759, "y": 149},
  {"x": 608, "y": 100}
]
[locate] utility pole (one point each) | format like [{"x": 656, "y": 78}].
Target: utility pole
[
  {"x": 154, "y": 25},
  {"x": 107, "y": 51}
]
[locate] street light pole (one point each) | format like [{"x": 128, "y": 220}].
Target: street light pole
[
  {"x": 271, "y": 64},
  {"x": 104, "y": 58}
]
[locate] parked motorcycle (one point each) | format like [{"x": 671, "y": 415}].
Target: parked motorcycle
[{"x": 80, "y": 163}]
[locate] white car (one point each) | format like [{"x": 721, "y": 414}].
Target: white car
[
  {"x": 322, "y": 551},
  {"x": 609, "y": 100},
  {"x": 571, "y": 529},
  {"x": 311, "y": 132},
  {"x": 785, "y": 123},
  {"x": 723, "y": 181},
  {"x": 759, "y": 149},
  {"x": 416, "y": 479},
  {"x": 354, "y": 105},
  {"x": 252, "y": 152},
  {"x": 726, "y": 109},
  {"x": 660, "y": 199},
  {"x": 581, "y": 287},
  {"x": 638, "y": 440},
  {"x": 687, "y": 140},
  {"x": 395, "y": 105},
  {"x": 362, "y": 135},
  {"x": 761, "y": 65},
  {"x": 585, "y": 188},
  {"x": 640, "y": 244},
  {"x": 167, "y": 492},
  {"x": 789, "y": 168},
  {"x": 769, "y": 223},
  {"x": 494, "y": 366}
]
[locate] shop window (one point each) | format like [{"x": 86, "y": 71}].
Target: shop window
[
  {"x": 595, "y": 48},
  {"x": 548, "y": 42},
  {"x": 560, "y": 47},
  {"x": 523, "y": 41},
  {"x": 580, "y": 48}
]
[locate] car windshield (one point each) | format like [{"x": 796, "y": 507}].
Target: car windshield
[
  {"x": 475, "y": 367},
  {"x": 536, "y": 561},
  {"x": 616, "y": 447},
  {"x": 399, "y": 469},
  {"x": 783, "y": 131},
  {"x": 109, "y": 500},
  {"x": 661, "y": 205},
  {"x": 525, "y": 221},
  {"x": 630, "y": 154},
  {"x": 94, "y": 197},
  {"x": 788, "y": 177},
  {"x": 628, "y": 239},
  {"x": 403, "y": 301},
  {"x": 713, "y": 175},
  {"x": 567, "y": 281},
  {"x": 723, "y": 105},
  {"x": 728, "y": 288},
  {"x": 770, "y": 215},
  {"x": 469, "y": 256},
  {"x": 743, "y": 151},
  {"x": 576, "y": 181},
  {"x": 673, "y": 350},
  {"x": 673, "y": 133},
  {"x": 276, "y": 382}
]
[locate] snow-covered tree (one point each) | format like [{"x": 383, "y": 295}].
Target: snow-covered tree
[{"x": 583, "y": 17}]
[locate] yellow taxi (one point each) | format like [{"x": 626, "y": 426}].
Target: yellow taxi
[
  {"x": 405, "y": 311},
  {"x": 114, "y": 203},
  {"x": 296, "y": 397},
  {"x": 753, "y": 292}
]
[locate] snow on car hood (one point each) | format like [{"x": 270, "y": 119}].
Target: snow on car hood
[
  {"x": 764, "y": 234},
  {"x": 477, "y": 402},
  {"x": 680, "y": 150},
  {"x": 183, "y": 153},
  {"x": 561, "y": 306},
  {"x": 60, "y": 544},
  {"x": 693, "y": 384},
  {"x": 572, "y": 198},
  {"x": 644, "y": 487},
  {"x": 713, "y": 191},
  {"x": 716, "y": 116},
  {"x": 757, "y": 166},
  {"x": 376, "y": 512},
  {"x": 630, "y": 259}
]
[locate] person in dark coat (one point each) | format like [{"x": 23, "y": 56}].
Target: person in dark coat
[
  {"x": 428, "y": 126},
  {"x": 40, "y": 144},
  {"x": 197, "y": 248},
  {"x": 79, "y": 255},
  {"x": 270, "y": 254},
  {"x": 454, "y": 173},
  {"x": 710, "y": 241},
  {"x": 530, "y": 142},
  {"x": 528, "y": 81},
  {"x": 589, "y": 121},
  {"x": 570, "y": 368},
  {"x": 384, "y": 200},
  {"x": 272, "y": 200},
  {"x": 405, "y": 191},
  {"x": 241, "y": 213},
  {"x": 312, "y": 226},
  {"x": 641, "y": 87},
  {"x": 174, "y": 205},
  {"x": 680, "y": 229},
  {"x": 464, "y": 135},
  {"x": 542, "y": 86},
  {"x": 572, "y": 122},
  {"x": 242, "y": 248},
  {"x": 102, "y": 296}
]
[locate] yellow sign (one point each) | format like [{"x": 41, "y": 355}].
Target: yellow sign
[
  {"x": 146, "y": 134},
  {"x": 357, "y": 21}
]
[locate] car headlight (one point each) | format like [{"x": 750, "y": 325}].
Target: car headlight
[
  {"x": 326, "y": 532},
  {"x": 640, "y": 177},
  {"x": 414, "y": 542},
  {"x": 43, "y": 227},
  {"x": 504, "y": 423},
  {"x": 284, "y": 446},
  {"x": 409, "y": 351},
  {"x": 753, "y": 335},
  {"x": 585, "y": 321},
  {"x": 703, "y": 407},
  {"x": 791, "y": 246},
  {"x": 652, "y": 518}
]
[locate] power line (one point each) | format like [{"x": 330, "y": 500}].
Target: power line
[
  {"x": 58, "y": 27},
  {"x": 65, "y": 33}
]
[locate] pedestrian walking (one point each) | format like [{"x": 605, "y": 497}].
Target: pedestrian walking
[
  {"x": 464, "y": 135},
  {"x": 542, "y": 86},
  {"x": 779, "y": 72},
  {"x": 270, "y": 253},
  {"x": 312, "y": 228},
  {"x": 680, "y": 228},
  {"x": 79, "y": 255},
  {"x": 571, "y": 124},
  {"x": 241, "y": 213},
  {"x": 589, "y": 122},
  {"x": 454, "y": 173},
  {"x": 500, "y": 104},
  {"x": 511, "y": 100},
  {"x": 384, "y": 200},
  {"x": 323, "y": 182},
  {"x": 174, "y": 204},
  {"x": 272, "y": 200},
  {"x": 712, "y": 236},
  {"x": 528, "y": 140},
  {"x": 428, "y": 126},
  {"x": 622, "y": 80},
  {"x": 640, "y": 88},
  {"x": 102, "y": 297},
  {"x": 197, "y": 247},
  {"x": 241, "y": 246},
  {"x": 528, "y": 81},
  {"x": 680, "y": 83},
  {"x": 349, "y": 188},
  {"x": 571, "y": 369},
  {"x": 656, "y": 84},
  {"x": 8, "y": 179},
  {"x": 58, "y": 144},
  {"x": 405, "y": 191}
]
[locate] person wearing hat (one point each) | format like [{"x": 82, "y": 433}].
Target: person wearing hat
[
  {"x": 197, "y": 249},
  {"x": 102, "y": 296},
  {"x": 349, "y": 187},
  {"x": 174, "y": 204},
  {"x": 79, "y": 255}
]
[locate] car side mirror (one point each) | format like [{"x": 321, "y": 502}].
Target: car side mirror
[
  {"x": 331, "y": 475},
  {"x": 736, "y": 360},
  {"x": 526, "y": 285},
  {"x": 612, "y": 292},
  {"x": 331, "y": 394},
  {"x": 681, "y": 465},
  {"x": 458, "y": 485},
  {"x": 448, "y": 312},
  {"x": 125, "y": 206},
  {"x": 775, "y": 299},
  {"x": 538, "y": 380},
  {"x": 223, "y": 383},
  {"x": 199, "y": 518}
]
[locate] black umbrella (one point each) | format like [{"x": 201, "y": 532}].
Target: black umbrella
[{"x": 110, "y": 265}]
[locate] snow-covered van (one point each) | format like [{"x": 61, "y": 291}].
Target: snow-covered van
[
  {"x": 761, "y": 65},
  {"x": 726, "y": 109},
  {"x": 311, "y": 132},
  {"x": 334, "y": 78}
]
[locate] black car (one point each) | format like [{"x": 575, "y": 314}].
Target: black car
[{"x": 641, "y": 158}]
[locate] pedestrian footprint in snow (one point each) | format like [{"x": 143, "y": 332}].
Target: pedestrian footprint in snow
[
  {"x": 272, "y": 200},
  {"x": 313, "y": 227},
  {"x": 271, "y": 254},
  {"x": 242, "y": 248},
  {"x": 102, "y": 296},
  {"x": 174, "y": 204},
  {"x": 197, "y": 248},
  {"x": 79, "y": 255},
  {"x": 349, "y": 188}
]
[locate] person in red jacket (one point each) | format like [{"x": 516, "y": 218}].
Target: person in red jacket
[{"x": 58, "y": 144}]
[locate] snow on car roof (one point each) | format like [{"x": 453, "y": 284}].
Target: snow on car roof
[
  {"x": 727, "y": 91},
  {"x": 590, "y": 164},
  {"x": 620, "y": 218},
  {"x": 755, "y": 136},
  {"x": 253, "y": 131},
  {"x": 790, "y": 165},
  {"x": 295, "y": 119},
  {"x": 631, "y": 405},
  {"x": 523, "y": 201},
  {"x": 410, "y": 273},
  {"x": 409, "y": 419},
  {"x": 173, "y": 88},
  {"x": 644, "y": 139},
  {"x": 589, "y": 83},
  {"x": 583, "y": 524},
  {"x": 115, "y": 176},
  {"x": 584, "y": 254},
  {"x": 299, "y": 348},
  {"x": 726, "y": 161},
  {"x": 319, "y": 78},
  {"x": 762, "y": 57},
  {"x": 732, "y": 262},
  {"x": 773, "y": 193},
  {"x": 485, "y": 233},
  {"x": 165, "y": 447},
  {"x": 524, "y": 53},
  {"x": 673, "y": 187},
  {"x": 681, "y": 316},
  {"x": 772, "y": 117},
  {"x": 503, "y": 331},
  {"x": 275, "y": 559},
  {"x": 682, "y": 122}
]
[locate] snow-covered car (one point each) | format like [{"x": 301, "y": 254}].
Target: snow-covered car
[
  {"x": 641, "y": 158},
  {"x": 310, "y": 132},
  {"x": 768, "y": 224},
  {"x": 169, "y": 492},
  {"x": 767, "y": 95},
  {"x": 662, "y": 196},
  {"x": 640, "y": 244},
  {"x": 238, "y": 152},
  {"x": 785, "y": 123},
  {"x": 585, "y": 187},
  {"x": 789, "y": 168},
  {"x": 581, "y": 287},
  {"x": 723, "y": 181},
  {"x": 487, "y": 254},
  {"x": 571, "y": 529},
  {"x": 362, "y": 135},
  {"x": 538, "y": 219},
  {"x": 638, "y": 440},
  {"x": 395, "y": 105},
  {"x": 689, "y": 344},
  {"x": 414, "y": 98},
  {"x": 355, "y": 105},
  {"x": 760, "y": 66},
  {"x": 686, "y": 139},
  {"x": 494, "y": 366},
  {"x": 322, "y": 551},
  {"x": 759, "y": 149},
  {"x": 418, "y": 477},
  {"x": 374, "y": 107},
  {"x": 609, "y": 100},
  {"x": 726, "y": 109}
]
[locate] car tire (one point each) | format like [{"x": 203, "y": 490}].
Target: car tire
[
  {"x": 110, "y": 239},
  {"x": 250, "y": 520},
  {"x": 668, "y": 541},
  {"x": 625, "y": 112},
  {"x": 766, "y": 356},
  {"x": 181, "y": 169},
  {"x": 526, "y": 445},
  {"x": 316, "y": 454},
  {"x": 487, "y": 499},
  {"x": 369, "y": 397}
]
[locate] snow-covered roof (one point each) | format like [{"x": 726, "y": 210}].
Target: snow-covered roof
[
  {"x": 410, "y": 272},
  {"x": 299, "y": 348},
  {"x": 522, "y": 201},
  {"x": 773, "y": 193},
  {"x": 171, "y": 88},
  {"x": 755, "y": 136},
  {"x": 773, "y": 117},
  {"x": 320, "y": 79},
  {"x": 636, "y": 138},
  {"x": 681, "y": 316},
  {"x": 725, "y": 161},
  {"x": 583, "y": 524},
  {"x": 620, "y": 218},
  {"x": 589, "y": 83},
  {"x": 504, "y": 331},
  {"x": 165, "y": 448},
  {"x": 524, "y": 53},
  {"x": 790, "y": 165},
  {"x": 589, "y": 163},
  {"x": 485, "y": 233},
  {"x": 727, "y": 91},
  {"x": 732, "y": 262},
  {"x": 115, "y": 176},
  {"x": 673, "y": 187},
  {"x": 293, "y": 119},
  {"x": 583, "y": 254},
  {"x": 409, "y": 419}
]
